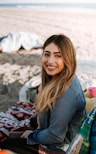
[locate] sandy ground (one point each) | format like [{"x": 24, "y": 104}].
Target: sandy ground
[{"x": 17, "y": 69}]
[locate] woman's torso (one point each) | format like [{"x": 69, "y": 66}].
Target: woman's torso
[{"x": 66, "y": 115}]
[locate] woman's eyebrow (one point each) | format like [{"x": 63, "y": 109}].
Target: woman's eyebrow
[
  {"x": 55, "y": 52},
  {"x": 46, "y": 51}
]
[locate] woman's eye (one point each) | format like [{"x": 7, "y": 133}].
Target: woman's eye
[
  {"x": 57, "y": 56},
  {"x": 46, "y": 55}
]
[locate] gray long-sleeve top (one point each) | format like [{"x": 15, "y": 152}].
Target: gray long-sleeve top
[{"x": 59, "y": 125}]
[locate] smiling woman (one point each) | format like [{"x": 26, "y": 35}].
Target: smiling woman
[{"x": 60, "y": 103}]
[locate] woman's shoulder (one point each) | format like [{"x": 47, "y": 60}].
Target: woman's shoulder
[
  {"x": 76, "y": 85},
  {"x": 74, "y": 90}
]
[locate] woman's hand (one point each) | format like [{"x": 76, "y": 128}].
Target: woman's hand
[{"x": 26, "y": 133}]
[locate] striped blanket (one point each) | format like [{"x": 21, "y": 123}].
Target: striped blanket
[
  {"x": 86, "y": 132},
  {"x": 85, "y": 139},
  {"x": 93, "y": 138},
  {"x": 17, "y": 116}
]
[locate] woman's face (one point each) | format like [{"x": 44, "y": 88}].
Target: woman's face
[{"x": 52, "y": 60}]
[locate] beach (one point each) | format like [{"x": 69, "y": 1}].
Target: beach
[{"x": 16, "y": 69}]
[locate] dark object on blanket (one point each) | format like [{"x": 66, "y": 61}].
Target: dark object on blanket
[{"x": 33, "y": 122}]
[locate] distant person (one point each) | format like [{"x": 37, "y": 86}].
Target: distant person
[
  {"x": 60, "y": 103},
  {"x": 16, "y": 40}
]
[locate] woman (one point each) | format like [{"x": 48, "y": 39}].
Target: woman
[{"x": 60, "y": 104}]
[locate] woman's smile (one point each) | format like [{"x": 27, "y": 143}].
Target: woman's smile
[{"x": 51, "y": 67}]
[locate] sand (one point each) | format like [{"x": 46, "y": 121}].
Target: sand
[{"x": 17, "y": 69}]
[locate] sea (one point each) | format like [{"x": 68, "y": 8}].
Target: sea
[{"x": 50, "y": 5}]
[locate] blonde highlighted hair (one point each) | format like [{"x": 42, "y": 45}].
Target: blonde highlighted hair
[{"x": 53, "y": 88}]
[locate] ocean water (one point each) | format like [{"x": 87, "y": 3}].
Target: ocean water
[{"x": 50, "y": 5}]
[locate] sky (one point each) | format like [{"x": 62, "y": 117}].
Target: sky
[{"x": 47, "y": 1}]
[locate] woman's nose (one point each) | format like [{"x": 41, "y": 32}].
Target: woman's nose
[{"x": 51, "y": 59}]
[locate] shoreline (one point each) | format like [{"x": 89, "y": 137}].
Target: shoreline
[
  {"x": 60, "y": 9},
  {"x": 52, "y": 5}
]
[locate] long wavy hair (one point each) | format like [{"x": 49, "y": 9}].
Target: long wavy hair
[{"x": 53, "y": 88}]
